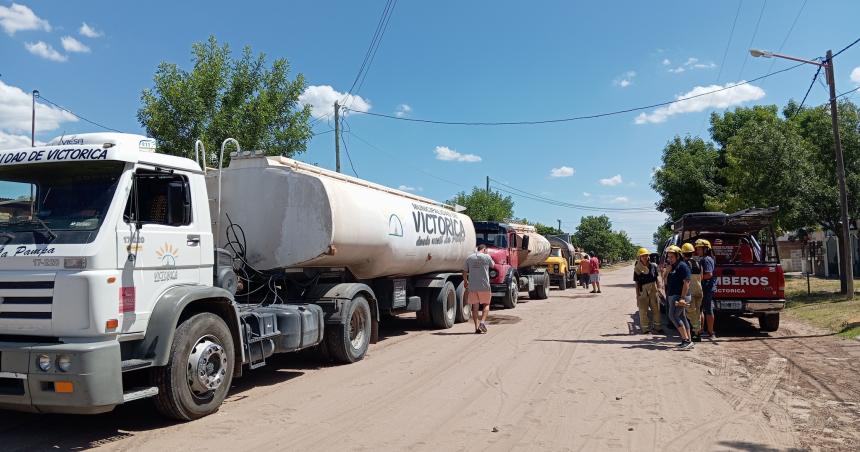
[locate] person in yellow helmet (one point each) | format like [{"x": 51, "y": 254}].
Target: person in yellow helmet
[
  {"x": 694, "y": 309},
  {"x": 677, "y": 294},
  {"x": 646, "y": 276},
  {"x": 709, "y": 286}
]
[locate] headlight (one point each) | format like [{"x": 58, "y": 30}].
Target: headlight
[
  {"x": 555, "y": 268},
  {"x": 44, "y": 363},
  {"x": 64, "y": 362},
  {"x": 493, "y": 274}
]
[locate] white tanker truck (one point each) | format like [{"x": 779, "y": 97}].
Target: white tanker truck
[{"x": 127, "y": 274}]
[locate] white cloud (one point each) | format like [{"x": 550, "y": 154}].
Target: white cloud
[
  {"x": 562, "y": 171},
  {"x": 735, "y": 95},
  {"x": 17, "y": 18},
  {"x": 855, "y": 75},
  {"x": 15, "y": 112},
  {"x": 620, "y": 200},
  {"x": 586, "y": 194},
  {"x": 71, "y": 44},
  {"x": 45, "y": 51},
  {"x": 447, "y": 154},
  {"x": 612, "y": 181},
  {"x": 409, "y": 188},
  {"x": 625, "y": 79},
  {"x": 691, "y": 63},
  {"x": 89, "y": 31},
  {"x": 402, "y": 110},
  {"x": 321, "y": 98},
  {"x": 12, "y": 141}
]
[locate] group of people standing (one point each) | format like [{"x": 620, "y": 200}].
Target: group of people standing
[
  {"x": 687, "y": 281},
  {"x": 589, "y": 272}
]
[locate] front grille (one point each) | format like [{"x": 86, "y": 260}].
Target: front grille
[
  {"x": 25, "y": 315},
  {"x": 26, "y": 285},
  {"x": 11, "y": 386},
  {"x": 26, "y": 300}
]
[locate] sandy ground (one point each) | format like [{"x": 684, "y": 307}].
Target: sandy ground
[{"x": 558, "y": 374}]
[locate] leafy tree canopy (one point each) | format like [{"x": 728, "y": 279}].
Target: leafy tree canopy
[{"x": 482, "y": 205}]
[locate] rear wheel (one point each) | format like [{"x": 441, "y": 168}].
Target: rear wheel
[
  {"x": 423, "y": 314},
  {"x": 562, "y": 285},
  {"x": 509, "y": 300},
  {"x": 444, "y": 308},
  {"x": 768, "y": 322},
  {"x": 464, "y": 310},
  {"x": 348, "y": 342},
  {"x": 199, "y": 370},
  {"x": 540, "y": 290}
]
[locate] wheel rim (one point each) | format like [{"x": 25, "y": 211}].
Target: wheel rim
[
  {"x": 357, "y": 326},
  {"x": 207, "y": 366},
  {"x": 451, "y": 305},
  {"x": 514, "y": 293}
]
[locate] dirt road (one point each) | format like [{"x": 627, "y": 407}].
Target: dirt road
[{"x": 557, "y": 374}]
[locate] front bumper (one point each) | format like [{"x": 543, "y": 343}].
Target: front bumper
[
  {"x": 92, "y": 385},
  {"x": 499, "y": 290}
]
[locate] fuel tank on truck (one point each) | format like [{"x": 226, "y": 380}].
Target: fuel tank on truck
[
  {"x": 297, "y": 215},
  {"x": 538, "y": 249}
]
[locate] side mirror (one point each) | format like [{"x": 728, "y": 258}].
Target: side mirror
[
  {"x": 525, "y": 242},
  {"x": 178, "y": 204}
]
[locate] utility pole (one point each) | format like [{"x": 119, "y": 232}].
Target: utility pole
[
  {"x": 336, "y": 136},
  {"x": 33, "y": 121},
  {"x": 488, "y": 184},
  {"x": 559, "y": 225},
  {"x": 846, "y": 251}
]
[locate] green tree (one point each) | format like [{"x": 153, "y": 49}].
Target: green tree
[
  {"x": 664, "y": 232},
  {"x": 485, "y": 206},
  {"x": 595, "y": 235},
  {"x": 224, "y": 97},
  {"x": 686, "y": 179},
  {"x": 543, "y": 229}
]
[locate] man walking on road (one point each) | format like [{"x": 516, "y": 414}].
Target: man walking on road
[
  {"x": 476, "y": 278},
  {"x": 585, "y": 271},
  {"x": 594, "y": 277}
]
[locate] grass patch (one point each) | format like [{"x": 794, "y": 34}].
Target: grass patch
[{"x": 823, "y": 305}]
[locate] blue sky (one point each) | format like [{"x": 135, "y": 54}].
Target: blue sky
[{"x": 448, "y": 60}]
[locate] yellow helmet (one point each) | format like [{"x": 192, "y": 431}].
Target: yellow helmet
[
  {"x": 687, "y": 248},
  {"x": 644, "y": 252},
  {"x": 703, "y": 243},
  {"x": 673, "y": 249}
]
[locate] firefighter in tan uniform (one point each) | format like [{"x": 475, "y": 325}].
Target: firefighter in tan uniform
[
  {"x": 694, "y": 309},
  {"x": 646, "y": 275}
]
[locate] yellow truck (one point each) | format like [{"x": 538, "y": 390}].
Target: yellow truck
[{"x": 560, "y": 264}]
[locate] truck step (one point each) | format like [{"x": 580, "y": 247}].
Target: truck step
[
  {"x": 134, "y": 364},
  {"x": 139, "y": 393}
]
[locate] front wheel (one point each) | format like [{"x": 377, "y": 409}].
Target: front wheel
[
  {"x": 199, "y": 370},
  {"x": 348, "y": 342},
  {"x": 509, "y": 299},
  {"x": 562, "y": 285},
  {"x": 541, "y": 289}
]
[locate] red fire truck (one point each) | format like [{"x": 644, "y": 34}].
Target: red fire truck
[{"x": 749, "y": 277}]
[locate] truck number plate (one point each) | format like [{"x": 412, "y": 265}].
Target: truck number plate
[{"x": 733, "y": 305}]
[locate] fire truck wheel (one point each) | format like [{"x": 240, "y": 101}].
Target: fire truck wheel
[
  {"x": 199, "y": 370},
  {"x": 768, "y": 322}
]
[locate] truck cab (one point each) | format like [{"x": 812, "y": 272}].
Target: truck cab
[
  {"x": 749, "y": 277},
  {"x": 560, "y": 265},
  {"x": 513, "y": 270}
]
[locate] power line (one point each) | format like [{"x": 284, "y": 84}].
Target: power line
[
  {"x": 373, "y": 56},
  {"x": 814, "y": 77},
  {"x": 523, "y": 193},
  {"x": 787, "y": 35},
  {"x": 77, "y": 115},
  {"x": 374, "y": 43},
  {"x": 752, "y": 40},
  {"x": 572, "y": 118},
  {"x": 846, "y": 47},
  {"x": 348, "y": 157},
  {"x": 729, "y": 44}
]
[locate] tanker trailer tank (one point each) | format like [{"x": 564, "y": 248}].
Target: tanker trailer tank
[
  {"x": 538, "y": 248},
  {"x": 305, "y": 221}
]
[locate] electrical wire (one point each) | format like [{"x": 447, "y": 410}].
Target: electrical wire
[
  {"x": 814, "y": 77},
  {"x": 787, "y": 35},
  {"x": 729, "y": 44},
  {"x": 573, "y": 118},
  {"x": 752, "y": 40},
  {"x": 373, "y": 56},
  {"x": 846, "y": 47},
  {"x": 374, "y": 43},
  {"x": 348, "y": 157},
  {"x": 524, "y": 193},
  {"x": 77, "y": 115}
]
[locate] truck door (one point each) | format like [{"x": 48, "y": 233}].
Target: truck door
[{"x": 159, "y": 242}]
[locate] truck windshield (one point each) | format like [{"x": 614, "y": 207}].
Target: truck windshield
[
  {"x": 556, "y": 252},
  {"x": 494, "y": 239},
  {"x": 56, "y": 202}
]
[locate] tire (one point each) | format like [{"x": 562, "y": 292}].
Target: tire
[
  {"x": 562, "y": 285},
  {"x": 464, "y": 310},
  {"x": 541, "y": 289},
  {"x": 348, "y": 342},
  {"x": 769, "y": 322},
  {"x": 205, "y": 339},
  {"x": 444, "y": 307},
  {"x": 509, "y": 300}
]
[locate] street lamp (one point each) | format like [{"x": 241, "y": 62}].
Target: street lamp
[
  {"x": 33, "y": 122},
  {"x": 846, "y": 251}
]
